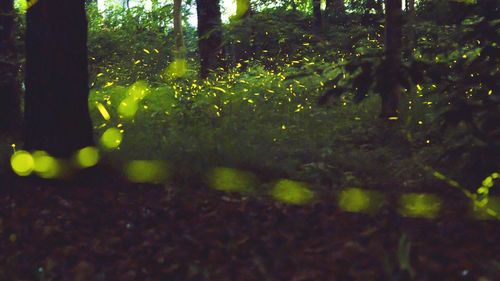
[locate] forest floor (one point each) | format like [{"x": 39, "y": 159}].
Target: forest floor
[{"x": 120, "y": 231}]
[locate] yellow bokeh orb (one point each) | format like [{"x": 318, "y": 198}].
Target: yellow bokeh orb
[
  {"x": 87, "y": 157},
  {"x": 46, "y": 166},
  {"x": 112, "y": 138},
  {"x": 292, "y": 192},
  {"x": 22, "y": 163}
]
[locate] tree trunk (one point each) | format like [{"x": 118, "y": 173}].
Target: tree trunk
[
  {"x": 334, "y": 8},
  {"x": 243, "y": 9},
  {"x": 56, "y": 107},
  {"x": 9, "y": 85},
  {"x": 393, "y": 45},
  {"x": 411, "y": 22},
  {"x": 318, "y": 21},
  {"x": 126, "y": 4},
  {"x": 180, "y": 47},
  {"x": 209, "y": 36}
]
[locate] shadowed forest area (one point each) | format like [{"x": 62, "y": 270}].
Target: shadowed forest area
[{"x": 242, "y": 140}]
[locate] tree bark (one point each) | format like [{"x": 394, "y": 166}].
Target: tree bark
[
  {"x": 334, "y": 8},
  {"x": 411, "y": 22},
  {"x": 209, "y": 36},
  {"x": 318, "y": 18},
  {"x": 180, "y": 47},
  {"x": 10, "y": 91},
  {"x": 56, "y": 107},
  {"x": 393, "y": 45},
  {"x": 243, "y": 9}
]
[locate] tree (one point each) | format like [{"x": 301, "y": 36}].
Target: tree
[
  {"x": 334, "y": 8},
  {"x": 209, "y": 36},
  {"x": 126, "y": 4},
  {"x": 56, "y": 107},
  {"x": 318, "y": 21},
  {"x": 392, "y": 65},
  {"x": 410, "y": 9},
  {"x": 180, "y": 47},
  {"x": 243, "y": 9},
  {"x": 9, "y": 84}
]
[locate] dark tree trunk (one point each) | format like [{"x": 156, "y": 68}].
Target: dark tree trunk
[
  {"x": 393, "y": 45},
  {"x": 318, "y": 20},
  {"x": 56, "y": 108},
  {"x": 209, "y": 36},
  {"x": 334, "y": 8},
  {"x": 9, "y": 85}
]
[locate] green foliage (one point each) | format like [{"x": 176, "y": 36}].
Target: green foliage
[
  {"x": 464, "y": 78},
  {"x": 126, "y": 45},
  {"x": 270, "y": 36}
]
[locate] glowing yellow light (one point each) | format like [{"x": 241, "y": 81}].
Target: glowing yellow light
[
  {"x": 142, "y": 171},
  {"x": 128, "y": 107},
  {"x": 46, "y": 166},
  {"x": 138, "y": 90},
  {"x": 177, "y": 68},
  {"x": 22, "y": 163},
  {"x": 420, "y": 205},
  {"x": 112, "y": 138},
  {"x": 292, "y": 192},
  {"x": 355, "y": 200},
  {"x": 231, "y": 180},
  {"x": 87, "y": 157},
  {"x": 103, "y": 111},
  {"x": 219, "y": 89}
]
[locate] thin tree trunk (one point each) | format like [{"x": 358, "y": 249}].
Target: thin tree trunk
[
  {"x": 209, "y": 36},
  {"x": 56, "y": 107},
  {"x": 318, "y": 20},
  {"x": 243, "y": 9},
  {"x": 411, "y": 21},
  {"x": 9, "y": 85},
  {"x": 180, "y": 47},
  {"x": 393, "y": 45},
  {"x": 126, "y": 4}
]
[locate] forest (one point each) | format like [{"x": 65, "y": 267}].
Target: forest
[{"x": 265, "y": 140}]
